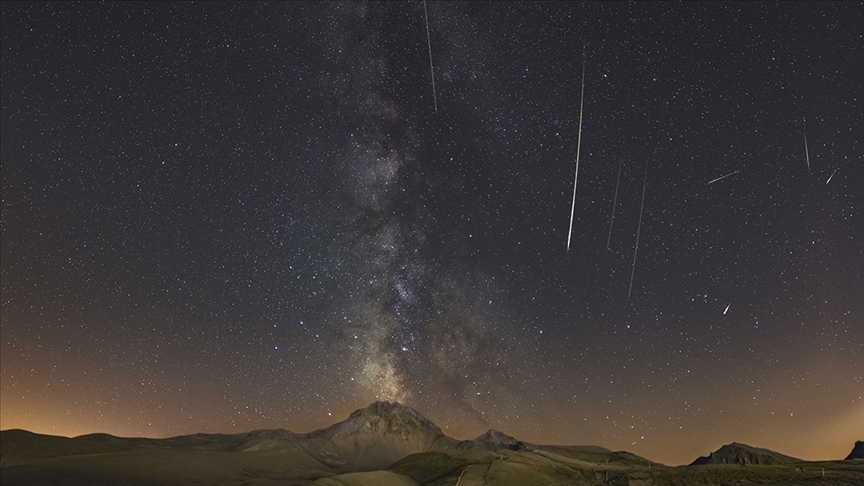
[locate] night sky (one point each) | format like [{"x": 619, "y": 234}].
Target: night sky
[{"x": 224, "y": 217}]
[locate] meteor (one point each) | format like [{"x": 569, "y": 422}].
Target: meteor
[
  {"x": 431, "y": 69},
  {"x": 638, "y": 230},
  {"x": 578, "y": 147},
  {"x": 832, "y": 176},
  {"x": 806, "y": 151},
  {"x": 727, "y": 309},
  {"x": 614, "y": 203},
  {"x": 725, "y": 176}
]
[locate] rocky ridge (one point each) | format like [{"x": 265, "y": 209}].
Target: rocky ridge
[
  {"x": 857, "y": 451},
  {"x": 743, "y": 454}
]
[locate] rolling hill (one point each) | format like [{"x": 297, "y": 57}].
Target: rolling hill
[{"x": 383, "y": 444}]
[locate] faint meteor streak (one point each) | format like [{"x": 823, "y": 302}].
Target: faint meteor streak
[
  {"x": 638, "y": 230},
  {"x": 727, "y": 308},
  {"x": 725, "y": 176},
  {"x": 614, "y": 203},
  {"x": 578, "y": 147},
  {"x": 431, "y": 69},
  {"x": 832, "y": 176},
  {"x": 806, "y": 151}
]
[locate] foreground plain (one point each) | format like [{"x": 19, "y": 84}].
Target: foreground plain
[{"x": 384, "y": 444}]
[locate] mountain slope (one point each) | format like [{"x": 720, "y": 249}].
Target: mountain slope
[
  {"x": 20, "y": 445},
  {"x": 385, "y": 443},
  {"x": 742, "y": 454},
  {"x": 494, "y": 440},
  {"x": 377, "y": 436},
  {"x": 857, "y": 451}
]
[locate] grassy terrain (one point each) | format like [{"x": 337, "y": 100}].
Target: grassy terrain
[
  {"x": 804, "y": 473},
  {"x": 543, "y": 467},
  {"x": 278, "y": 458},
  {"x": 151, "y": 465},
  {"x": 374, "y": 478}
]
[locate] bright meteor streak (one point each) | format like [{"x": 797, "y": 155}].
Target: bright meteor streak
[
  {"x": 431, "y": 69},
  {"x": 614, "y": 203},
  {"x": 725, "y": 176},
  {"x": 638, "y": 231},
  {"x": 832, "y": 176},
  {"x": 727, "y": 309},
  {"x": 578, "y": 147}
]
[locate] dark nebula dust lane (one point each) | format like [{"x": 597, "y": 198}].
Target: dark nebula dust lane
[{"x": 226, "y": 217}]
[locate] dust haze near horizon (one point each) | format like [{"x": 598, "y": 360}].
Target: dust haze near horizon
[{"x": 225, "y": 217}]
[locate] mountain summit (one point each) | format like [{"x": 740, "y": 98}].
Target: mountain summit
[
  {"x": 857, "y": 451},
  {"x": 494, "y": 440},
  {"x": 376, "y": 436}
]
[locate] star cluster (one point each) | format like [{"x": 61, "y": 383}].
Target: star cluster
[{"x": 218, "y": 217}]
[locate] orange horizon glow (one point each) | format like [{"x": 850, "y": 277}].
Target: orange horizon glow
[{"x": 821, "y": 443}]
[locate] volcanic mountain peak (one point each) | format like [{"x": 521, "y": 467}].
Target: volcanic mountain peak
[
  {"x": 743, "y": 454},
  {"x": 392, "y": 411},
  {"x": 384, "y": 418},
  {"x": 492, "y": 435},
  {"x": 494, "y": 440},
  {"x": 377, "y": 436},
  {"x": 857, "y": 451}
]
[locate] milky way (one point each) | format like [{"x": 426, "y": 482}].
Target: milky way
[{"x": 222, "y": 217}]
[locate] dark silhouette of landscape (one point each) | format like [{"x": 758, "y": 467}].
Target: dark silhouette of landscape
[{"x": 384, "y": 444}]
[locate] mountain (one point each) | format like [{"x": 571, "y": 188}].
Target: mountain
[
  {"x": 377, "y": 436},
  {"x": 384, "y": 443},
  {"x": 743, "y": 454},
  {"x": 370, "y": 439},
  {"x": 494, "y": 440},
  {"x": 857, "y": 451},
  {"x": 17, "y": 445}
]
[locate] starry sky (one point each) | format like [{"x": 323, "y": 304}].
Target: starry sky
[{"x": 220, "y": 217}]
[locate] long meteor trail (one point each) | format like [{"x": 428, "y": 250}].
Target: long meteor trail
[
  {"x": 638, "y": 230},
  {"x": 578, "y": 147},
  {"x": 725, "y": 176},
  {"x": 614, "y": 203},
  {"x": 431, "y": 69}
]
